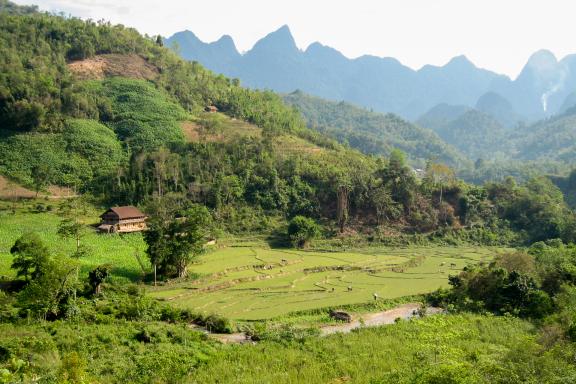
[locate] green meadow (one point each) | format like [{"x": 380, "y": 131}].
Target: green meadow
[
  {"x": 121, "y": 252},
  {"x": 250, "y": 283}
]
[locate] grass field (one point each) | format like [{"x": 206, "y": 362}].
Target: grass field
[
  {"x": 250, "y": 283},
  {"x": 119, "y": 252}
]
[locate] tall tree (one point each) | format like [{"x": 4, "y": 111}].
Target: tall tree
[
  {"x": 41, "y": 174},
  {"x": 71, "y": 228},
  {"x": 173, "y": 244},
  {"x": 439, "y": 175},
  {"x": 31, "y": 256},
  {"x": 97, "y": 276}
]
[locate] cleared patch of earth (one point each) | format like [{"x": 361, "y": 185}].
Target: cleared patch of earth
[
  {"x": 11, "y": 190},
  {"x": 108, "y": 65}
]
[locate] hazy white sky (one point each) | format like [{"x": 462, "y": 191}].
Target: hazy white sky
[{"x": 495, "y": 34}]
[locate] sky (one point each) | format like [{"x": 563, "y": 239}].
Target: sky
[{"x": 499, "y": 35}]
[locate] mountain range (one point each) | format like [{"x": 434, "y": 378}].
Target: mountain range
[{"x": 545, "y": 86}]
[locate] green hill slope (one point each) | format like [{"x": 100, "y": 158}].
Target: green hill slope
[
  {"x": 101, "y": 109},
  {"x": 551, "y": 139},
  {"x": 372, "y": 133},
  {"x": 476, "y": 134}
]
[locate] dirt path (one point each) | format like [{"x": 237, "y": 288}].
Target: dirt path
[{"x": 405, "y": 311}]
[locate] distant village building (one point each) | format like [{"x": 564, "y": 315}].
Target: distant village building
[
  {"x": 419, "y": 172},
  {"x": 122, "y": 220},
  {"x": 211, "y": 109}
]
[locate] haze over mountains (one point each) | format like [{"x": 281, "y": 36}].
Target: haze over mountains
[{"x": 544, "y": 87}]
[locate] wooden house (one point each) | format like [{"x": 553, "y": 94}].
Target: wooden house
[
  {"x": 211, "y": 109},
  {"x": 122, "y": 220}
]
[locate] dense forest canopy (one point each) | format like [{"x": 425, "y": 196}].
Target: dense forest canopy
[{"x": 499, "y": 150}]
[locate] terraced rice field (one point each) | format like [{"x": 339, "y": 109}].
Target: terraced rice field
[
  {"x": 256, "y": 283},
  {"x": 253, "y": 282}
]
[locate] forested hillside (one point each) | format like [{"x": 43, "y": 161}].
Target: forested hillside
[
  {"x": 103, "y": 110},
  {"x": 371, "y": 132},
  {"x": 476, "y": 134},
  {"x": 481, "y": 136}
]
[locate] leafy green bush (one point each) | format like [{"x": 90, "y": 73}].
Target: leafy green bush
[
  {"x": 217, "y": 324},
  {"x": 302, "y": 230}
]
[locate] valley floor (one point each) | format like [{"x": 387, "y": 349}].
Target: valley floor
[
  {"x": 250, "y": 283},
  {"x": 282, "y": 294}
]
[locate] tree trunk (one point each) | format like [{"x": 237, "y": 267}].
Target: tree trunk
[
  {"x": 182, "y": 269},
  {"x": 342, "y": 207}
]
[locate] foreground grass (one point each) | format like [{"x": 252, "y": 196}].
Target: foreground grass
[
  {"x": 102, "y": 353},
  {"x": 438, "y": 349}
]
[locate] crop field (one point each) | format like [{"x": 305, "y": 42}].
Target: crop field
[
  {"x": 250, "y": 283},
  {"x": 120, "y": 252}
]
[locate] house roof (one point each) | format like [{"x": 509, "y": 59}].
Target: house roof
[{"x": 127, "y": 212}]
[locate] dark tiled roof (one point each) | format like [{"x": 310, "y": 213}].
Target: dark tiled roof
[{"x": 128, "y": 212}]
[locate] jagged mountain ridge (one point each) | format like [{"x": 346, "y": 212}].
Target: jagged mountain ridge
[{"x": 384, "y": 84}]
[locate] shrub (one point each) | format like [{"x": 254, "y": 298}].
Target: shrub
[
  {"x": 302, "y": 230},
  {"x": 218, "y": 324}
]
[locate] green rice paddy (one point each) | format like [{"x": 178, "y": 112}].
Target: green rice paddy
[
  {"x": 250, "y": 283},
  {"x": 253, "y": 281}
]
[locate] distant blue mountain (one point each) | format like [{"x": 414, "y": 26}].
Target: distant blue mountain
[{"x": 384, "y": 84}]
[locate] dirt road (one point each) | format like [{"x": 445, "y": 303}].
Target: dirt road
[{"x": 404, "y": 311}]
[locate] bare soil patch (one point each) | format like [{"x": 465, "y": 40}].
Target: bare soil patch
[
  {"x": 12, "y": 190},
  {"x": 102, "y": 66}
]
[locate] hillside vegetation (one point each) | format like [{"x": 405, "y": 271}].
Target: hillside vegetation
[
  {"x": 481, "y": 136},
  {"x": 129, "y": 138},
  {"x": 373, "y": 133},
  {"x": 259, "y": 223}
]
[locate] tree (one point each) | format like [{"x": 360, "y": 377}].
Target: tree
[
  {"x": 386, "y": 207},
  {"x": 97, "y": 276},
  {"x": 70, "y": 228},
  {"x": 41, "y": 174},
  {"x": 342, "y": 206},
  {"x": 173, "y": 244},
  {"x": 49, "y": 294},
  {"x": 439, "y": 174},
  {"x": 302, "y": 230},
  {"x": 31, "y": 256},
  {"x": 230, "y": 189},
  {"x": 398, "y": 178}
]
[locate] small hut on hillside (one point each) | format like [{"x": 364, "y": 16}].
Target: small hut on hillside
[
  {"x": 211, "y": 109},
  {"x": 122, "y": 220}
]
